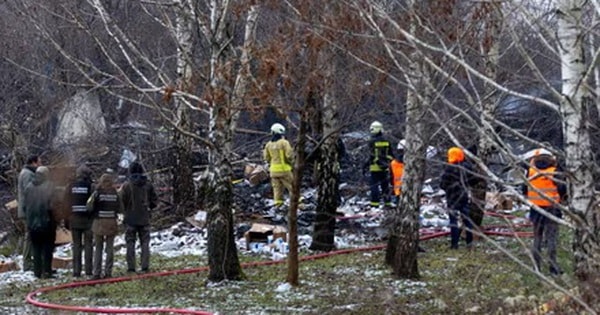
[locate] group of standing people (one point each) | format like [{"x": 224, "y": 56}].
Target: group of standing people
[
  {"x": 90, "y": 211},
  {"x": 545, "y": 189}
]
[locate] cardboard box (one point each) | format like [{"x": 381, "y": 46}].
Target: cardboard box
[
  {"x": 8, "y": 266},
  {"x": 198, "y": 220},
  {"x": 259, "y": 232},
  {"x": 11, "y": 205},
  {"x": 63, "y": 236},
  {"x": 255, "y": 173},
  {"x": 62, "y": 262},
  {"x": 499, "y": 201}
]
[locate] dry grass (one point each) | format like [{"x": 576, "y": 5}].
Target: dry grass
[{"x": 481, "y": 281}]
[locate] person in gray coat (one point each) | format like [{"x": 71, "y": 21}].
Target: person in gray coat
[
  {"x": 80, "y": 220},
  {"x": 139, "y": 197},
  {"x": 37, "y": 203},
  {"x": 26, "y": 176}
]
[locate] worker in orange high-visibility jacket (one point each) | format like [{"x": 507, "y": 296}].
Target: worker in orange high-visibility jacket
[
  {"x": 397, "y": 170},
  {"x": 279, "y": 154},
  {"x": 545, "y": 188}
]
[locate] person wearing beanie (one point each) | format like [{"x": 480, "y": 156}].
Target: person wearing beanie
[
  {"x": 80, "y": 220},
  {"x": 139, "y": 197},
  {"x": 37, "y": 205},
  {"x": 455, "y": 181}
]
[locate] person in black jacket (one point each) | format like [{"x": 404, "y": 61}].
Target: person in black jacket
[
  {"x": 105, "y": 227},
  {"x": 378, "y": 164},
  {"x": 139, "y": 198},
  {"x": 80, "y": 220},
  {"x": 455, "y": 182}
]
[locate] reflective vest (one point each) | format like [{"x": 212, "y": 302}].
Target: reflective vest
[
  {"x": 278, "y": 155},
  {"x": 542, "y": 181},
  {"x": 80, "y": 192},
  {"x": 380, "y": 156},
  {"x": 107, "y": 203},
  {"x": 397, "y": 171}
]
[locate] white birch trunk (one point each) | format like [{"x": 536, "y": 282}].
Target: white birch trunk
[
  {"x": 223, "y": 115},
  {"x": 184, "y": 194},
  {"x": 574, "y": 108}
]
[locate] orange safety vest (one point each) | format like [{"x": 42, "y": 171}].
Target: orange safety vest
[
  {"x": 397, "y": 171},
  {"x": 542, "y": 181}
]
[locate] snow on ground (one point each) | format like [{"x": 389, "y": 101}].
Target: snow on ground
[{"x": 363, "y": 228}]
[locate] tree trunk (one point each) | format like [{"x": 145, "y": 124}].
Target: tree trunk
[
  {"x": 328, "y": 174},
  {"x": 222, "y": 251},
  {"x": 575, "y": 106},
  {"x": 403, "y": 242},
  {"x": 490, "y": 49},
  {"x": 183, "y": 185},
  {"x": 299, "y": 161}
]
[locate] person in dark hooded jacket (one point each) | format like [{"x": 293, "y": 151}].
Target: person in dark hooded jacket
[
  {"x": 80, "y": 220},
  {"x": 138, "y": 198},
  {"x": 456, "y": 181},
  {"x": 545, "y": 189},
  {"x": 37, "y": 205}
]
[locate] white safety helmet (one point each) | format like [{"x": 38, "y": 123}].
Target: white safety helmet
[
  {"x": 402, "y": 144},
  {"x": 278, "y": 129},
  {"x": 376, "y": 127}
]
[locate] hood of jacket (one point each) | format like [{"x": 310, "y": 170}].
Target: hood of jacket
[
  {"x": 138, "y": 179},
  {"x": 543, "y": 163}
]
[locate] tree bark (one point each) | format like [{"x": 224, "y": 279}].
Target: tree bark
[
  {"x": 328, "y": 172},
  {"x": 490, "y": 49},
  {"x": 299, "y": 162},
  {"x": 574, "y": 107},
  {"x": 223, "y": 258},
  {"x": 403, "y": 242},
  {"x": 183, "y": 185}
]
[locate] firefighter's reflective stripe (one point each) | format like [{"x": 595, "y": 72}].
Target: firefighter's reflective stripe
[
  {"x": 280, "y": 167},
  {"x": 542, "y": 181},
  {"x": 107, "y": 214},
  {"x": 79, "y": 208},
  {"x": 383, "y": 147},
  {"x": 397, "y": 171},
  {"x": 107, "y": 202}
]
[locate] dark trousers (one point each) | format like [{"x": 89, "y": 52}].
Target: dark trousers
[
  {"x": 27, "y": 250},
  {"x": 82, "y": 242},
  {"x": 380, "y": 186},
  {"x": 42, "y": 243},
  {"x": 132, "y": 233},
  {"x": 454, "y": 215},
  {"x": 544, "y": 227},
  {"x": 102, "y": 241}
]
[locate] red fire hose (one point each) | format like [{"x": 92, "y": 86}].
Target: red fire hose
[{"x": 425, "y": 234}]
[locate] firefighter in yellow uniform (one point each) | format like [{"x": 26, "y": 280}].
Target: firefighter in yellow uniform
[{"x": 278, "y": 153}]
